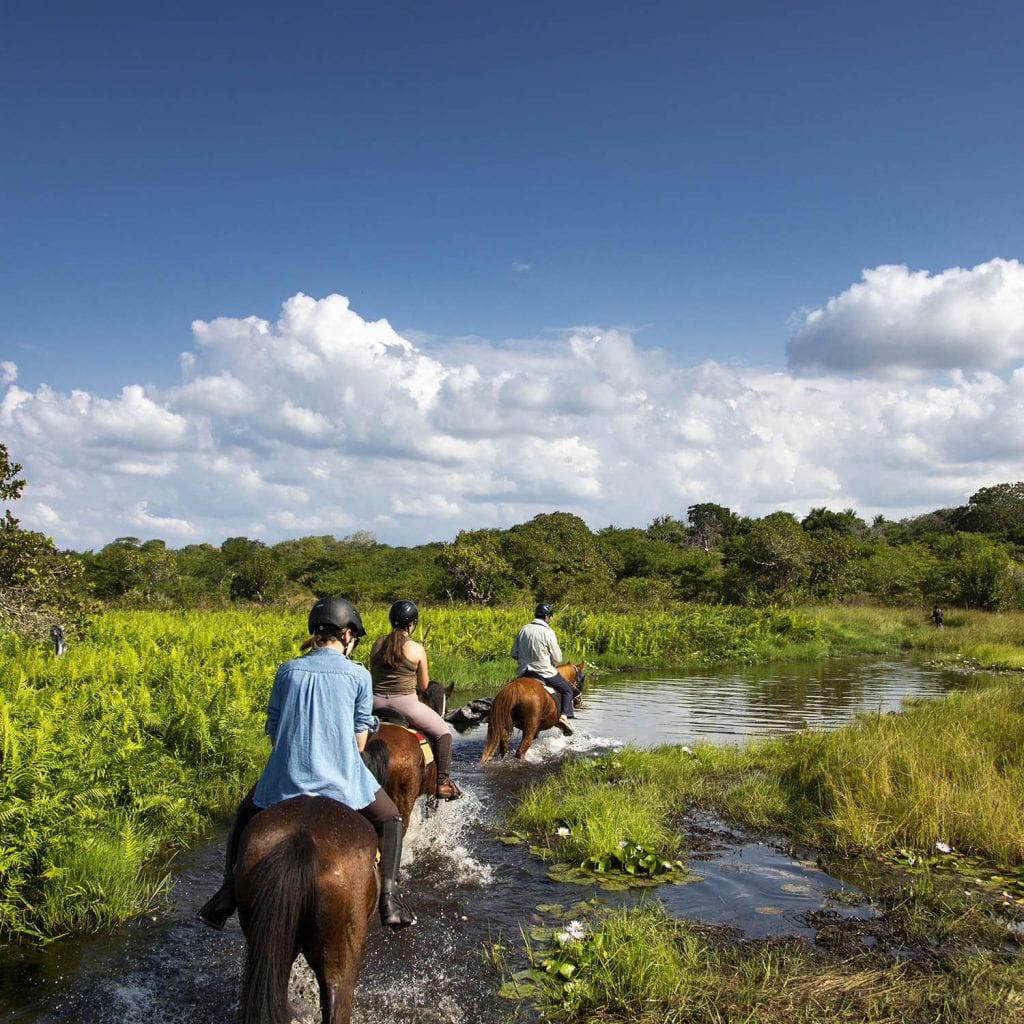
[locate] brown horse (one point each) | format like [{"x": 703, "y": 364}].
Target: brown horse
[
  {"x": 306, "y": 880},
  {"x": 524, "y": 703},
  {"x": 395, "y": 756}
]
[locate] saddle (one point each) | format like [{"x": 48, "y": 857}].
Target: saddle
[
  {"x": 540, "y": 679},
  {"x": 396, "y": 718}
]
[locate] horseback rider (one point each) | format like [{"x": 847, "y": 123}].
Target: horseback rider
[
  {"x": 537, "y": 654},
  {"x": 398, "y": 670},
  {"x": 319, "y": 716}
]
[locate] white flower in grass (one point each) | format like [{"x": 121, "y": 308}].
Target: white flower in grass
[
  {"x": 562, "y": 938},
  {"x": 562, "y": 830},
  {"x": 623, "y": 844},
  {"x": 576, "y": 929},
  {"x": 687, "y": 750},
  {"x": 911, "y": 861},
  {"x": 943, "y": 847}
]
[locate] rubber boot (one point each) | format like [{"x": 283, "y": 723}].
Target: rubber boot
[
  {"x": 445, "y": 788},
  {"x": 216, "y": 910},
  {"x": 393, "y": 912}
]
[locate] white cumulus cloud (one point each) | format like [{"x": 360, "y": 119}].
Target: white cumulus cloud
[
  {"x": 324, "y": 423},
  {"x": 908, "y": 323}
]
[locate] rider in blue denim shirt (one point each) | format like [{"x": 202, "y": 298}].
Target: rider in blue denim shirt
[{"x": 319, "y": 716}]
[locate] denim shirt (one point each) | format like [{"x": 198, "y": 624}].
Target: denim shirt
[{"x": 318, "y": 702}]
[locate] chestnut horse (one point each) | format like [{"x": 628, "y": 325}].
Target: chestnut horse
[
  {"x": 395, "y": 756},
  {"x": 525, "y": 703},
  {"x": 306, "y": 880}
]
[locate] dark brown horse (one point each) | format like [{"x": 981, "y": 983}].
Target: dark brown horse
[
  {"x": 524, "y": 703},
  {"x": 306, "y": 881},
  {"x": 396, "y": 757}
]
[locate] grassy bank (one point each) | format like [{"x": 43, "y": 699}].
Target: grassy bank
[
  {"x": 929, "y": 802},
  {"x": 642, "y": 967},
  {"x": 949, "y": 770},
  {"x": 992, "y": 640}
]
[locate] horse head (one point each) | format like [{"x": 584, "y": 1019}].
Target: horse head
[{"x": 436, "y": 695}]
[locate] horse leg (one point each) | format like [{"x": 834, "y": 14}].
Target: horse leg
[{"x": 529, "y": 724}]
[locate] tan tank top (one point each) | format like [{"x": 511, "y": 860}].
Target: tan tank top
[{"x": 392, "y": 682}]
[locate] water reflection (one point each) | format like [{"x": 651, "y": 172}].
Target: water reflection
[{"x": 727, "y": 705}]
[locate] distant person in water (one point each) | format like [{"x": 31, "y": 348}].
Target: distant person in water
[
  {"x": 398, "y": 669},
  {"x": 537, "y": 654}
]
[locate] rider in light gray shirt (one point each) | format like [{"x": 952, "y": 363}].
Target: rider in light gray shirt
[{"x": 537, "y": 654}]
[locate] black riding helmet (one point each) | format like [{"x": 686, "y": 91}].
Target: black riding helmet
[
  {"x": 543, "y": 611},
  {"x": 336, "y": 613},
  {"x": 402, "y": 613}
]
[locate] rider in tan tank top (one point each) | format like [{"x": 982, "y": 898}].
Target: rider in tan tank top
[
  {"x": 398, "y": 669},
  {"x": 392, "y": 682}
]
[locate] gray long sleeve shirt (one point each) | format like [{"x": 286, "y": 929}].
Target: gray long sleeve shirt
[{"x": 536, "y": 649}]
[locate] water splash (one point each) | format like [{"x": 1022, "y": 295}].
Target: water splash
[{"x": 443, "y": 832}]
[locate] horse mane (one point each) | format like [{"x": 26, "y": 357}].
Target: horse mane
[{"x": 286, "y": 878}]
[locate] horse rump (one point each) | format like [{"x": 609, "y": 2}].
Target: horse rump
[{"x": 281, "y": 890}]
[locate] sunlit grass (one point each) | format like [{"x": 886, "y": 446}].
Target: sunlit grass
[
  {"x": 640, "y": 966},
  {"x": 945, "y": 770}
]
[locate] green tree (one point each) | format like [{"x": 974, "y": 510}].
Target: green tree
[
  {"x": 768, "y": 561},
  {"x": 39, "y": 585},
  {"x": 711, "y": 525},
  {"x": 997, "y": 511},
  {"x": 971, "y": 571},
  {"x": 558, "y": 558},
  {"x": 476, "y": 570},
  {"x": 847, "y": 522},
  {"x": 896, "y": 576},
  {"x": 132, "y": 571}
]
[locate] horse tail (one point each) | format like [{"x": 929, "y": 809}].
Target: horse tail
[
  {"x": 284, "y": 888},
  {"x": 499, "y": 721},
  {"x": 377, "y": 757}
]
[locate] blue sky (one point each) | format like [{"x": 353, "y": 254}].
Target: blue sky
[{"x": 722, "y": 194}]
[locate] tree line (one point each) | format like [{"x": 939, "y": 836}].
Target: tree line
[
  {"x": 968, "y": 557},
  {"x": 971, "y": 556}
]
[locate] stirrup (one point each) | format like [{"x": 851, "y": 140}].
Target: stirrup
[{"x": 447, "y": 790}]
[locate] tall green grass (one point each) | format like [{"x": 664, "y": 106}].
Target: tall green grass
[
  {"x": 947, "y": 770},
  {"x": 640, "y": 966}
]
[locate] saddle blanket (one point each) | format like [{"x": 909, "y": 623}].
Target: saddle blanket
[{"x": 428, "y": 751}]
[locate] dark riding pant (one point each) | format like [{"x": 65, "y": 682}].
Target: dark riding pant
[{"x": 564, "y": 687}]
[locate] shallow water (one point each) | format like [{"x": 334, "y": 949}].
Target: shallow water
[{"x": 468, "y": 889}]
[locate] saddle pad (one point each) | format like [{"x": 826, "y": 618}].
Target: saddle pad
[{"x": 428, "y": 751}]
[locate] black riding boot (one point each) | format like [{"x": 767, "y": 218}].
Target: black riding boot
[
  {"x": 393, "y": 912},
  {"x": 216, "y": 910}
]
